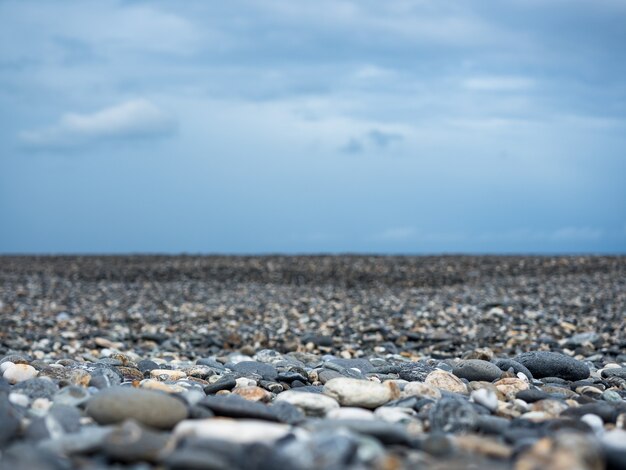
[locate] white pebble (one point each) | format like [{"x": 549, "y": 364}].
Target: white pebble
[
  {"x": 595, "y": 423},
  {"x": 19, "y": 399},
  {"x": 486, "y": 398},
  {"x": 19, "y": 373}
]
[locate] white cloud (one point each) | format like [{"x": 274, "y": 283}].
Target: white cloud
[
  {"x": 135, "y": 118},
  {"x": 498, "y": 83}
]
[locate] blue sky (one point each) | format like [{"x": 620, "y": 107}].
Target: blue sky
[{"x": 483, "y": 126}]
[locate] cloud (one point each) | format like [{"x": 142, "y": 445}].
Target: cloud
[
  {"x": 131, "y": 119},
  {"x": 374, "y": 139},
  {"x": 498, "y": 83}
]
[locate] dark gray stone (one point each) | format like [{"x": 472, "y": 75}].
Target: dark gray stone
[
  {"x": 237, "y": 407},
  {"x": 37, "y": 388},
  {"x": 9, "y": 420},
  {"x": 617, "y": 372},
  {"x": 225, "y": 383},
  {"x": 132, "y": 443},
  {"x": 415, "y": 371},
  {"x": 509, "y": 364},
  {"x": 532, "y": 395},
  {"x": 453, "y": 415},
  {"x": 476, "y": 369},
  {"x": 547, "y": 364},
  {"x": 245, "y": 368}
]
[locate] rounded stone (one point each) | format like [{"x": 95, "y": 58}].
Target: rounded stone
[
  {"x": 551, "y": 364},
  {"x": 364, "y": 393},
  {"x": 19, "y": 373},
  {"x": 421, "y": 390},
  {"x": 313, "y": 404},
  {"x": 477, "y": 370},
  {"x": 445, "y": 381},
  {"x": 148, "y": 407}
]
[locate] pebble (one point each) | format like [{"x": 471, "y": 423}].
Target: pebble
[
  {"x": 552, "y": 364},
  {"x": 16, "y": 373},
  {"x": 476, "y": 370},
  {"x": 421, "y": 390},
  {"x": 244, "y": 431},
  {"x": 453, "y": 415},
  {"x": 445, "y": 381},
  {"x": 486, "y": 398},
  {"x": 363, "y": 393},
  {"x": 131, "y": 443},
  {"x": 313, "y": 362},
  {"x": 148, "y": 407},
  {"x": 312, "y": 404}
]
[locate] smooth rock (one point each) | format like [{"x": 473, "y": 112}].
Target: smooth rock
[
  {"x": 19, "y": 373},
  {"x": 421, "y": 390},
  {"x": 477, "y": 370},
  {"x": 312, "y": 404},
  {"x": 363, "y": 393},
  {"x": 551, "y": 364},
  {"x": 445, "y": 381},
  {"x": 130, "y": 443},
  {"x": 453, "y": 415},
  {"x": 486, "y": 398},
  {"x": 244, "y": 431},
  {"x": 152, "y": 408}
]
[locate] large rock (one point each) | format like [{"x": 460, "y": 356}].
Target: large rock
[
  {"x": 155, "y": 409},
  {"x": 551, "y": 364},
  {"x": 363, "y": 393}
]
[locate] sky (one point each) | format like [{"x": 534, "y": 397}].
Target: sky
[{"x": 326, "y": 126}]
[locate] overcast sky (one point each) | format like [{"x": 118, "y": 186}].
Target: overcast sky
[{"x": 313, "y": 126}]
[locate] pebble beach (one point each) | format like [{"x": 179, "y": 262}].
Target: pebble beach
[{"x": 312, "y": 362}]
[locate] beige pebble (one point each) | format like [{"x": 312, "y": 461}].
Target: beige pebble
[{"x": 445, "y": 381}]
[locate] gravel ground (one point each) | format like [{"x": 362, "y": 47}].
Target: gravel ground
[{"x": 312, "y": 362}]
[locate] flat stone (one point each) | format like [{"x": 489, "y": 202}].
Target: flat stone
[
  {"x": 266, "y": 371},
  {"x": 165, "y": 375},
  {"x": 152, "y": 408},
  {"x": 363, "y": 365},
  {"x": 547, "y": 364},
  {"x": 476, "y": 370},
  {"x": 237, "y": 407},
  {"x": 37, "y": 388},
  {"x": 132, "y": 443},
  {"x": 244, "y": 431},
  {"x": 224, "y": 383},
  {"x": 415, "y": 371},
  {"x": 312, "y": 404},
  {"x": 364, "y": 393}
]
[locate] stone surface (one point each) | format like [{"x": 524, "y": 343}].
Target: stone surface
[
  {"x": 240, "y": 431},
  {"x": 148, "y": 407},
  {"x": 445, "y": 381},
  {"x": 363, "y": 393},
  {"x": 312, "y": 404},
  {"x": 476, "y": 369},
  {"x": 16, "y": 373},
  {"x": 551, "y": 364}
]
